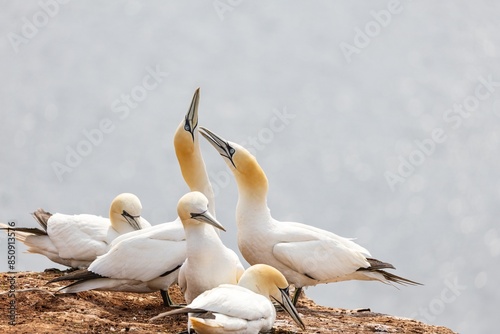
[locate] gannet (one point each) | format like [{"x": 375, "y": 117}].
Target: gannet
[
  {"x": 144, "y": 263},
  {"x": 76, "y": 240},
  {"x": 242, "y": 308},
  {"x": 165, "y": 243},
  {"x": 306, "y": 255},
  {"x": 209, "y": 263}
]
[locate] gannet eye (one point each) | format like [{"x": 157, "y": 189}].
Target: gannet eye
[
  {"x": 231, "y": 150},
  {"x": 187, "y": 127}
]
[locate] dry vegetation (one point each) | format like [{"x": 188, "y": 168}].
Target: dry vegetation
[{"x": 107, "y": 312}]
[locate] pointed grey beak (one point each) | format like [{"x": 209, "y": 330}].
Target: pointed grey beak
[
  {"x": 206, "y": 217},
  {"x": 134, "y": 221},
  {"x": 289, "y": 308},
  {"x": 221, "y": 145},
  {"x": 192, "y": 114}
]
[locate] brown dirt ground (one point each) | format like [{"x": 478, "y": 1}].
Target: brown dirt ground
[{"x": 117, "y": 312}]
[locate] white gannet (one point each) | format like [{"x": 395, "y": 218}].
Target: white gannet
[
  {"x": 306, "y": 255},
  {"x": 137, "y": 264},
  {"x": 165, "y": 243},
  {"x": 76, "y": 240},
  {"x": 242, "y": 308},
  {"x": 209, "y": 263}
]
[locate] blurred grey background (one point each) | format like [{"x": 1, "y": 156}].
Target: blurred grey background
[{"x": 339, "y": 101}]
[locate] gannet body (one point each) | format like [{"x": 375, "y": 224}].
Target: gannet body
[
  {"x": 209, "y": 263},
  {"x": 165, "y": 243},
  {"x": 306, "y": 255},
  {"x": 76, "y": 240},
  {"x": 146, "y": 261},
  {"x": 139, "y": 263},
  {"x": 242, "y": 308}
]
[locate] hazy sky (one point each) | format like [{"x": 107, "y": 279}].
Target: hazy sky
[{"x": 377, "y": 120}]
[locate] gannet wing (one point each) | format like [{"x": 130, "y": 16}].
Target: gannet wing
[
  {"x": 144, "y": 257},
  {"x": 81, "y": 237},
  {"x": 320, "y": 233},
  {"x": 228, "y": 299},
  {"x": 320, "y": 259}
]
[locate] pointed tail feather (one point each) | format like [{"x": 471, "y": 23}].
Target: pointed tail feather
[
  {"x": 375, "y": 272},
  {"x": 42, "y": 217},
  {"x": 78, "y": 275},
  {"x": 23, "y": 231},
  {"x": 397, "y": 279},
  {"x": 377, "y": 264},
  {"x": 178, "y": 311}
]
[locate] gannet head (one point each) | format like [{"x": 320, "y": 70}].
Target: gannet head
[
  {"x": 125, "y": 208},
  {"x": 270, "y": 283},
  {"x": 186, "y": 134},
  {"x": 245, "y": 167},
  {"x": 193, "y": 209}
]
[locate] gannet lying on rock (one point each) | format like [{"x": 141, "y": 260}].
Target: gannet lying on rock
[
  {"x": 76, "y": 240},
  {"x": 243, "y": 308},
  {"x": 146, "y": 262}
]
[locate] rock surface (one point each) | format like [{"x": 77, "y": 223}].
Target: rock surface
[{"x": 40, "y": 311}]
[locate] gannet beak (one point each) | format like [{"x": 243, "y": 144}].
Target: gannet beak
[
  {"x": 289, "y": 308},
  {"x": 221, "y": 145},
  {"x": 134, "y": 221},
  {"x": 192, "y": 114},
  {"x": 206, "y": 217}
]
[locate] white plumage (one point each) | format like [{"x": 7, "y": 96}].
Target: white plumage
[
  {"x": 304, "y": 254},
  {"x": 76, "y": 240},
  {"x": 209, "y": 263},
  {"x": 241, "y": 309}
]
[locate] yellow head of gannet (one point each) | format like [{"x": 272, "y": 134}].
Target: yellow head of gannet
[
  {"x": 269, "y": 282},
  {"x": 306, "y": 255},
  {"x": 242, "y": 308},
  {"x": 192, "y": 208},
  {"x": 125, "y": 213},
  {"x": 244, "y": 166},
  {"x": 209, "y": 262},
  {"x": 187, "y": 150}
]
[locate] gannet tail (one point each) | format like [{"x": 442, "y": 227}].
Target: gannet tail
[
  {"x": 42, "y": 217},
  {"x": 375, "y": 272},
  {"x": 77, "y": 275},
  {"x": 23, "y": 232},
  {"x": 397, "y": 279},
  {"x": 178, "y": 311}
]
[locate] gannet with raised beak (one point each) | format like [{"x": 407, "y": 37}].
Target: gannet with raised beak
[
  {"x": 306, "y": 255},
  {"x": 122, "y": 268},
  {"x": 243, "y": 308},
  {"x": 76, "y": 240},
  {"x": 209, "y": 263}
]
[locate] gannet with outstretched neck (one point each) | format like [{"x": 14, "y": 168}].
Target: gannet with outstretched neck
[
  {"x": 306, "y": 255},
  {"x": 76, "y": 240},
  {"x": 209, "y": 263},
  {"x": 242, "y": 308},
  {"x": 153, "y": 255}
]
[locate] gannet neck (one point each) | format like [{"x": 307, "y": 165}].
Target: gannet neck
[
  {"x": 250, "y": 177},
  {"x": 192, "y": 164}
]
